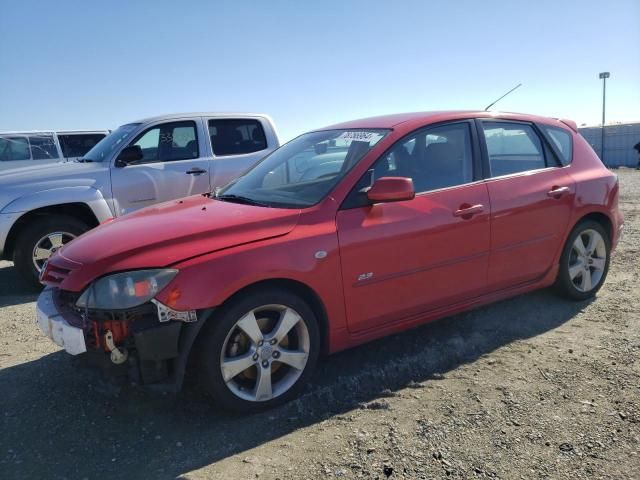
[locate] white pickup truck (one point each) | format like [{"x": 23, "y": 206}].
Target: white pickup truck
[{"x": 139, "y": 164}]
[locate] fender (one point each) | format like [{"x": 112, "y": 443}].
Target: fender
[{"x": 57, "y": 196}]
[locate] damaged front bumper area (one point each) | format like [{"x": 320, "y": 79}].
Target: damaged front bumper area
[{"x": 146, "y": 345}]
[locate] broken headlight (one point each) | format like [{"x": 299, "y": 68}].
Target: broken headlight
[{"x": 125, "y": 290}]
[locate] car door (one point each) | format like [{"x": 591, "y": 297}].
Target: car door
[
  {"x": 402, "y": 259},
  {"x": 237, "y": 145},
  {"x": 531, "y": 200},
  {"x": 172, "y": 167}
]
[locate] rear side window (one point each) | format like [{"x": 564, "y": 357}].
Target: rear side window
[
  {"x": 14, "y": 148},
  {"x": 43, "y": 147},
  {"x": 78, "y": 144},
  {"x": 236, "y": 136},
  {"x": 562, "y": 141},
  {"x": 169, "y": 142},
  {"x": 513, "y": 148}
]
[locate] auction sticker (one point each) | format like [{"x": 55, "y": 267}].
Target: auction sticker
[{"x": 361, "y": 136}]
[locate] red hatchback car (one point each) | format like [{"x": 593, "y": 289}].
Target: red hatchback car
[{"x": 341, "y": 236}]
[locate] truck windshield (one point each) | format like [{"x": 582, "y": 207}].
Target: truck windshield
[
  {"x": 103, "y": 149},
  {"x": 302, "y": 172}
]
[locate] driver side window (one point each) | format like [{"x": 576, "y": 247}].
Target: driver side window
[
  {"x": 434, "y": 158},
  {"x": 168, "y": 142}
]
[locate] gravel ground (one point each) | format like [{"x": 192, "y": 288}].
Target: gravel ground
[{"x": 532, "y": 387}]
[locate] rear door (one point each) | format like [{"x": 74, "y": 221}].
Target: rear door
[
  {"x": 237, "y": 145},
  {"x": 402, "y": 259},
  {"x": 172, "y": 167},
  {"x": 531, "y": 200}
]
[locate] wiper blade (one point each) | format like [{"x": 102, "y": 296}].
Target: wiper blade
[
  {"x": 240, "y": 199},
  {"x": 84, "y": 160}
]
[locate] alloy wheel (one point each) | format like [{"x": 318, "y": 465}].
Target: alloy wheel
[
  {"x": 265, "y": 353},
  {"x": 47, "y": 245},
  {"x": 588, "y": 260}
]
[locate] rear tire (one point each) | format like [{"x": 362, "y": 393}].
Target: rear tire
[
  {"x": 49, "y": 233},
  {"x": 235, "y": 365},
  {"x": 584, "y": 263}
]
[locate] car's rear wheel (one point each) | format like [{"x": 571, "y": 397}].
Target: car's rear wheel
[
  {"x": 584, "y": 262},
  {"x": 259, "y": 350},
  {"x": 41, "y": 239}
]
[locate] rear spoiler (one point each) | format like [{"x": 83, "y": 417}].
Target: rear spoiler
[{"x": 570, "y": 123}]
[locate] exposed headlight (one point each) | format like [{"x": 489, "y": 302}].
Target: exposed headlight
[{"x": 125, "y": 290}]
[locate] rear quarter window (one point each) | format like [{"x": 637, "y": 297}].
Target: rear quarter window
[{"x": 562, "y": 140}]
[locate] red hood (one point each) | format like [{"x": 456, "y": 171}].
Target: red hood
[{"x": 165, "y": 234}]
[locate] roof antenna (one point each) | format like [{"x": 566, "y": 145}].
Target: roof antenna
[{"x": 496, "y": 101}]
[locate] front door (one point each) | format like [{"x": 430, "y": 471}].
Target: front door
[
  {"x": 531, "y": 200},
  {"x": 402, "y": 259},
  {"x": 174, "y": 166}
]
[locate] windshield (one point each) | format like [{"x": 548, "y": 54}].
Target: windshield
[
  {"x": 103, "y": 149},
  {"x": 303, "y": 172}
]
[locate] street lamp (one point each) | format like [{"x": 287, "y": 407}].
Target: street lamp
[{"x": 603, "y": 76}]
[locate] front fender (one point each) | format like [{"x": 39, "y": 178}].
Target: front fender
[{"x": 57, "y": 196}]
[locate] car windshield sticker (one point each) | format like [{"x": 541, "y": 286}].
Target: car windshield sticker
[{"x": 361, "y": 136}]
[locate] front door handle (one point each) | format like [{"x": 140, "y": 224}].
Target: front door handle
[
  {"x": 196, "y": 171},
  {"x": 467, "y": 211},
  {"x": 557, "y": 192}
]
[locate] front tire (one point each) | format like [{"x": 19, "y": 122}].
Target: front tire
[
  {"x": 259, "y": 350},
  {"x": 39, "y": 240},
  {"x": 584, "y": 263}
]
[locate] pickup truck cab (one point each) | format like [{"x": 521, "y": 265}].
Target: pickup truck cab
[{"x": 139, "y": 164}]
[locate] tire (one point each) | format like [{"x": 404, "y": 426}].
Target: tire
[
  {"x": 222, "y": 340},
  {"x": 40, "y": 228},
  {"x": 569, "y": 284}
]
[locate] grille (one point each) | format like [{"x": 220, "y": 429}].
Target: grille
[{"x": 54, "y": 275}]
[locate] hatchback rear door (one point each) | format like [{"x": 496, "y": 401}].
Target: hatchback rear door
[{"x": 531, "y": 196}]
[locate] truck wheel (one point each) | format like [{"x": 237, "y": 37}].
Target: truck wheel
[
  {"x": 259, "y": 350},
  {"x": 39, "y": 240}
]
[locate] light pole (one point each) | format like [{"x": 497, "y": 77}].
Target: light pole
[{"x": 603, "y": 76}]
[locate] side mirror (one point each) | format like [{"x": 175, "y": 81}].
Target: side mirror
[
  {"x": 391, "y": 189},
  {"x": 129, "y": 155}
]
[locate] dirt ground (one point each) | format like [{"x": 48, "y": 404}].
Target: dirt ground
[{"x": 532, "y": 387}]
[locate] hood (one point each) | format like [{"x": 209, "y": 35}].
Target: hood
[
  {"x": 164, "y": 234},
  {"x": 17, "y": 182}
]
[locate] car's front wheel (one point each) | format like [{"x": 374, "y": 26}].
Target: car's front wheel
[
  {"x": 584, "y": 262},
  {"x": 259, "y": 350}
]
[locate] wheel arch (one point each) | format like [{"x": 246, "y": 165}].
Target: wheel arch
[
  {"x": 599, "y": 217},
  {"x": 78, "y": 210}
]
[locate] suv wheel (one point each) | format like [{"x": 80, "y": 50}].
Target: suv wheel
[
  {"x": 584, "y": 262},
  {"x": 39, "y": 240},
  {"x": 259, "y": 350}
]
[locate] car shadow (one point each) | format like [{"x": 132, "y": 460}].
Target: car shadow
[
  {"x": 55, "y": 423},
  {"x": 13, "y": 290}
]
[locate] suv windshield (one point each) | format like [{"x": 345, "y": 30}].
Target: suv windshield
[
  {"x": 103, "y": 149},
  {"x": 302, "y": 172}
]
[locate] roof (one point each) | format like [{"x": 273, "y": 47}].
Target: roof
[
  {"x": 174, "y": 116},
  {"x": 61, "y": 132},
  {"x": 418, "y": 118}
]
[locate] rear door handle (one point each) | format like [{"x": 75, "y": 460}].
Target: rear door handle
[
  {"x": 469, "y": 211},
  {"x": 557, "y": 192},
  {"x": 196, "y": 171}
]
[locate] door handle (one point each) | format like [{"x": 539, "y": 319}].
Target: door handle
[
  {"x": 196, "y": 171},
  {"x": 468, "y": 211},
  {"x": 557, "y": 192}
]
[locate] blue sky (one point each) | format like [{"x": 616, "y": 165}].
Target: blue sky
[{"x": 80, "y": 64}]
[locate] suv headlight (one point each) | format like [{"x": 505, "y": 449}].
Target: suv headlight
[{"x": 125, "y": 290}]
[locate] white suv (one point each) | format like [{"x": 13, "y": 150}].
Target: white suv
[{"x": 22, "y": 149}]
